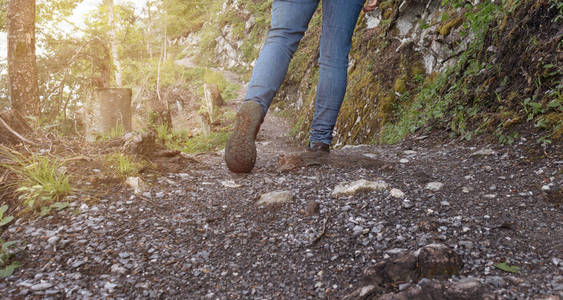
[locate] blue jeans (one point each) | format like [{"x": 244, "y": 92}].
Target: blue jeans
[{"x": 290, "y": 20}]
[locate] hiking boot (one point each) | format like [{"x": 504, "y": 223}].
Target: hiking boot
[
  {"x": 240, "y": 151},
  {"x": 319, "y": 147}
]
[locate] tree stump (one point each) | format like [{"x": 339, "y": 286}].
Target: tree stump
[
  {"x": 110, "y": 109},
  {"x": 204, "y": 123},
  {"x": 213, "y": 99}
]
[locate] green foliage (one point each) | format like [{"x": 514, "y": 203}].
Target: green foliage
[
  {"x": 57, "y": 206},
  {"x": 5, "y": 252},
  {"x": 179, "y": 140},
  {"x": 4, "y": 220},
  {"x": 203, "y": 143},
  {"x": 116, "y": 132},
  {"x": 507, "y": 268},
  {"x": 124, "y": 165},
  {"x": 40, "y": 180}
]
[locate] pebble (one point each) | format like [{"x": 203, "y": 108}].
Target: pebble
[
  {"x": 313, "y": 208},
  {"x": 404, "y": 161},
  {"x": 41, "y": 286},
  {"x": 434, "y": 186},
  {"x": 396, "y": 193},
  {"x": 490, "y": 196},
  {"x": 404, "y": 286},
  {"x": 137, "y": 184},
  {"x": 407, "y": 204},
  {"x": 53, "y": 240},
  {"x": 358, "y": 230},
  {"x": 276, "y": 197},
  {"x": 116, "y": 268},
  {"x": 445, "y": 203},
  {"x": 466, "y": 244},
  {"x": 484, "y": 152},
  {"x": 495, "y": 281},
  {"x": 361, "y": 185},
  {"x": 108, "y": 286},
  {"x": 395, "y": 251},
  {"x": 231, "y": 184}
]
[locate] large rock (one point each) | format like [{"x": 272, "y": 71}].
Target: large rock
[
  {"x": 426, "y": 289},
  {"x": 435, "y": 261}
]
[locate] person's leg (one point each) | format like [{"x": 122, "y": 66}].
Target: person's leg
[
  {"x": 290, "y": 19},
  {"x": 339, "y": 20}
]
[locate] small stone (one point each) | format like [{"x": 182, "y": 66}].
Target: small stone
[
  {"x": 495, "y": 281},
  {"x": 232, "y": 184},
  {"x": 53, "y": 240},
  {"x": 395, "y": 251},
  {"x": 404, "y": 286},
  {"x": 396, "y": 193},
  {"x": 359, "y": 186},
  {"x": 490, "y": 196},
  {"x": 434, "y": 186},
  {"x": 116, "y": 268},
  {"x": 313, "y": 208},
  {"x": 407, "y": 204},
  {"x": 466, "y": 190},
  {"x": 484, "y": 152},
  {"x": 124, "y": 255},
  {"x": 466, "y": 244},
  {"x": 445, "y": 203},
  {"x": 556, "y": 261},
  {"x": 159, "y": 195},
  {"x": 41, "y": 286},
  {"x": 545, "y": 188},
  {"x": 108, "y": 286},
  {"x": 404, "y": 161},
  {"x": 137, "y": 184},
  {"x": 358, "y": 230},
  {"x": 275, "y": 198},
  {"x": 556, "y": 284}
]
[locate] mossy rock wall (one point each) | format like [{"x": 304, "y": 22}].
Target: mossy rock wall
[{"x": 416, "y": 65}]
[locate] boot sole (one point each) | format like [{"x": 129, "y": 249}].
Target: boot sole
[{"x": 240, "y": 151}]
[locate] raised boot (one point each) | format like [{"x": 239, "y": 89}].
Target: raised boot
[{"x": 240, "y": 152}]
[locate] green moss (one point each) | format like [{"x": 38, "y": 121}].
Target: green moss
[
  {"x": 400, "y": 85},
  {"x": 447, "y": 27}
]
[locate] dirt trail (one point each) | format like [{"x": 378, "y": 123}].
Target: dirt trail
[{"x": 199, "y": 234}]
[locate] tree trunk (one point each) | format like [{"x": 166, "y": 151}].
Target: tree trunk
[
  {"x": 22, "y": 66},
  {"x": 113, "y": 43}
]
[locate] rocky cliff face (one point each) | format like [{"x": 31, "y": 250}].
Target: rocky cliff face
[{"x": 419, "y": 65}]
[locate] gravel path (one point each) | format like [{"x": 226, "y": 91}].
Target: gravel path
[{"x": 199, "y": 234}]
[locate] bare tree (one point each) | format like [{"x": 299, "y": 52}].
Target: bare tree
[
  {"x": 22, "y": 65},
  {"x": 113, "y": 42}
]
